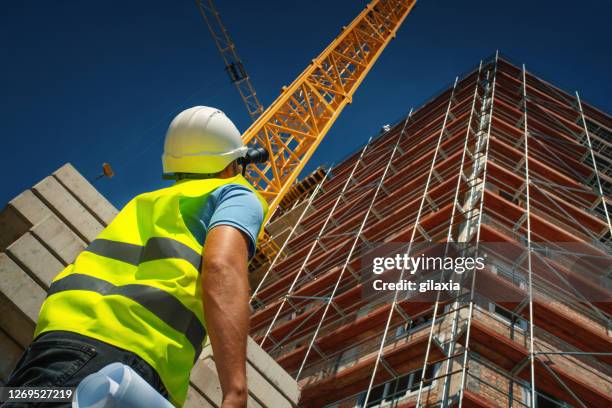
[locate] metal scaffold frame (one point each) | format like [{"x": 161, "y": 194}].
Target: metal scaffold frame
[
  {"x": 353, "y": 246},
  {"x": 473, "y": 182},
  {"x": 592, "y": 154},
  {"x": 487, "y": 123},
  {"x": 316, "y": 241},
  {"x": 379, "y": 356},
  {"x": 500, "y": 157},
  {"x": 528, "y": 221},
  {"x": 280, "y": 252}
]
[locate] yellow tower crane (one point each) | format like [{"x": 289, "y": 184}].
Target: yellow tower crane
[{"x": 294, "y": 125}]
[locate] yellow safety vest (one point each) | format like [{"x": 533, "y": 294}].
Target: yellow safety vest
[{"x": 137, "y": 285}]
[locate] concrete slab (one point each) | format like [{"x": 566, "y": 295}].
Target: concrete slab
[
  {"x": 86, "y": 193},
  {"x": 60, "y": 240},
  {"x": 205, "y": 379},
  {"x": 14, "y": 321},
  {"x": 269, "y": 369},
  {"x": 19, "y": 215},
  {"x": 36, "y": 260},
  {"x": 196, "y": 400},
  {"x": 11, "y": 227},
  {"x": 252, "y": 403},
  {"x": 272, "y": 371},
  {"x": 20, "y": 301},
  {"x": 10, "y": 352},
  {"x": 30, "y": 207},
  {"x": 67, "y": 208},
  {"x": 264, "y": 392}
]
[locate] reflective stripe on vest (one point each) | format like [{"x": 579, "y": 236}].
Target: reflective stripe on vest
[
  {"x": 158, "y": 302},
  {"x": 155, "y": 248}
]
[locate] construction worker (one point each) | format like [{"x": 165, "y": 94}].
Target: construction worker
[{"x": 169, "y": 270}]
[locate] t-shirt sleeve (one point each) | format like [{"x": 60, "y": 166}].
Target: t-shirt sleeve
[{"x": 238, "y": 207}]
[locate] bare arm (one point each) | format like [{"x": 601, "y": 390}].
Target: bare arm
[{"x": 225, "y": 292}]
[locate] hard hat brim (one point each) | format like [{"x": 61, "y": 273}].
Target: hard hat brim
[{"x": 201, "y": 162}]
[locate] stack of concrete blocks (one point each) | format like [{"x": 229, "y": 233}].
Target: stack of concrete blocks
[
  {"x": 41, "y": 231},
  {"x": 269, "y": 384}
]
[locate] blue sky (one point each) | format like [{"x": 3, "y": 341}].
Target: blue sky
[{"x": 93, "y": 82}]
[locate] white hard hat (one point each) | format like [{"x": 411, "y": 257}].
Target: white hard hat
[{"x": 201, "y": 140}]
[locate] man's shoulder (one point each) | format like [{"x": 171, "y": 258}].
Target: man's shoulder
[
  {"x": 237, "y": 193},
  {"x": 237, "y": 206}
]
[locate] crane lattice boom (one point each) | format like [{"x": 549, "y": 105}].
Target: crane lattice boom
[
  {"x": 233, "y": 64},
  {"x": 296, "y": 122}
]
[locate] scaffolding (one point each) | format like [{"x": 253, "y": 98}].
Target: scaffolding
[{"x": 501, "y": 163}]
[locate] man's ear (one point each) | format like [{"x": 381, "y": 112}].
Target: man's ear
[{"x": 237, "y": 167}]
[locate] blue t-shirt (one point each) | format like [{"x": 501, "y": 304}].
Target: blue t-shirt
[{"x": 232, "y": 204}]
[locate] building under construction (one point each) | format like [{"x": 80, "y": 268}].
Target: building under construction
[
  {"x": 501, "y": 164},
  {"x": 502, "y": 157}
]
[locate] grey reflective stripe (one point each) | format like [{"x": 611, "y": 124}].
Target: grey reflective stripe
[
  {"x": 162, "y": 304},
  {"x": 120, "y": 251},
  {"x": 155, "y": 248},
  {"x": 160, "y": 248}
]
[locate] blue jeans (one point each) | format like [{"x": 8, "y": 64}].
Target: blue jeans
[{"x": 63, "y": 359}]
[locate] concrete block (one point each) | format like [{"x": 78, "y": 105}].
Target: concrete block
[
  {"x": 196, "y": 400},
  {"x": 35, "y": 259},
  {"x": 10, "y": 352},
  {"x": 269, "y": 369},
  {"x": 62, "y": 242},
  {"x": 19, "y": 215},
  {"x": 252, "y": 403},
  {"x": 11, "y": 227},
  {"x": 205, "y": 379},
  {"x": 67, "y": 208},
  {"x": 264, "y": 392},
  {"x": 272, "y": 371},
  {"x": 20, "y": 301},
  {"x": 95, "y": 202}
]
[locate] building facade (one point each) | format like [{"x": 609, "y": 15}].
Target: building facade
[{"x": 502, "y": 162}]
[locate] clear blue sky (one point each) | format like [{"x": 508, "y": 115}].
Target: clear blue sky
[{"x": 89, "y": 82}]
